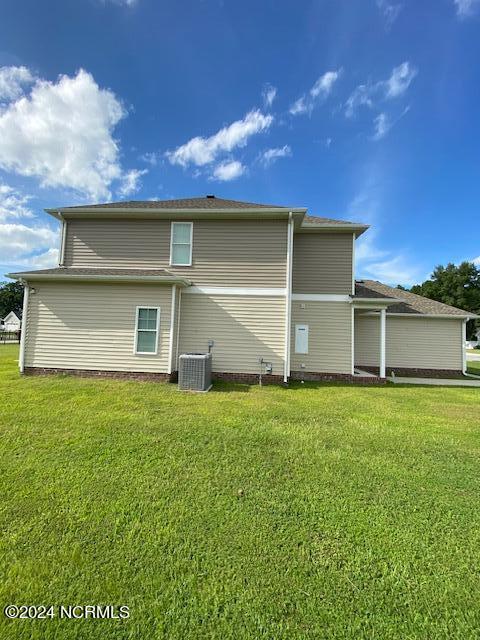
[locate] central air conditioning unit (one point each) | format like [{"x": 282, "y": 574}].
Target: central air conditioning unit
[{"x": 195, "y": 372}]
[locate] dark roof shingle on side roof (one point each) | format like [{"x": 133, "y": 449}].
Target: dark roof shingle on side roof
[
  {"x": 408, "y": 302},
  {"x": 320, "y": 220},
  {"x": 183, "y": 203},
  {"x": 80, "y": 271}
]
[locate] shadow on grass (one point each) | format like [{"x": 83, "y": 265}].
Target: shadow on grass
[{"x": 230, "y": 387}]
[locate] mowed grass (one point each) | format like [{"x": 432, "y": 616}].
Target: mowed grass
[
  {"x": 473, "y": 366},
  {"x": 319, "y": 511}
]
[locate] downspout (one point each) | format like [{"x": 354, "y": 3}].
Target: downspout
[
  {"x": 172, "y": 328},
  {"x": 63, "y": 237},
  {"x": 178, "y": 327},
  {"x": 21, "y": 357},
  {"x": 288, "y": 298}
]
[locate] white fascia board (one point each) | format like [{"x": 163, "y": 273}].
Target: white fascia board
[
  {"x": 356, "y": 229},
  {"x": 365, "y": 303},
  {"x": 32, "y": 277},
  {"x": 445, "y": 316},
  {"x": 321, "y": 297},
  {"x": 168, "y": 213},
  {"x": 236, "y": 291}
]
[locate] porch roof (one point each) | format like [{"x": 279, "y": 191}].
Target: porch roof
[
  {"x": 102, "y": 275},
  {"x": 406, "y": 302}
]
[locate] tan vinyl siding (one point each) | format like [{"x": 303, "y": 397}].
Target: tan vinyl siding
[
  {"x": 225, "y": 252},
  {"x": 322, "y": 263},
  {"x": 329, "y": 337},
  {"x": 92, "y": 326},
  {"x": 425, "y": 343},
  {"x": 244, "y": 328}
]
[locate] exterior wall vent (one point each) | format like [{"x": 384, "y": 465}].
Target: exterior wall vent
[{"x": 195, "y": 372}]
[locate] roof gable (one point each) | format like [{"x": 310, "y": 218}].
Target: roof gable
[{"x": 205, "y": 202}]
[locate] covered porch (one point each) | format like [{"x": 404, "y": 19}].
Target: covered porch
[{"x": 376, "y": 308}]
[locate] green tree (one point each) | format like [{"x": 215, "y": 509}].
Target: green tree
[
  {"x": 11, "y": 298},
  {"x": 458, "y": 286}
]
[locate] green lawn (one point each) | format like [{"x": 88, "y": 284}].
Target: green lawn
[
  {"x": 358, "y": 514},
  {"x": 473, "y": 366}
]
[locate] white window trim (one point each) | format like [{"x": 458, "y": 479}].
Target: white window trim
[
  {"x": 157, "y": 331},
  {"x": 181, "y": 264},
  {"x": 304, "y": 326}
]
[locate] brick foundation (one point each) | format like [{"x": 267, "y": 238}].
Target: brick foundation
[
  {"x": 246, "y": 378},
  {"x": 408, "y": 372},
  {"x": 312, "y": 376},
  {"x": 93, "y": 373}
]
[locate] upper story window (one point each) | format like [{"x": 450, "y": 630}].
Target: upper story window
[{"x": 181, "y": 244}]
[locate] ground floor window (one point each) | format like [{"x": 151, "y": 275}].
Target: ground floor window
[{"x": 146, "y": 330}]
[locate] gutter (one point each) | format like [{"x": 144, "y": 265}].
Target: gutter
[{"x": 103, "y": 212}]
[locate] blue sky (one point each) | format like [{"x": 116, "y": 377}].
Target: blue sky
[{"x": 357, "y": 109}]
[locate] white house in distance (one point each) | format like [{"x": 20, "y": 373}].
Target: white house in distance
[{"x": 12, "y": 322}]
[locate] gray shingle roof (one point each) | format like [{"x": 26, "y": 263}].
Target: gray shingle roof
[
  {"x": 184, "y": 203},
  {"x": 77, "y": 272},
  {"x": 320, "y": 220},
  {"x": 407, "y": 302}
]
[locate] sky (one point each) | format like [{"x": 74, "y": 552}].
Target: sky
[{"x": 362, "y": 110}]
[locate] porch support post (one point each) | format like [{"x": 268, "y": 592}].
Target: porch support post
[
  {"x": 383, "y": 326},
  {"x": 23, "y": 328}
]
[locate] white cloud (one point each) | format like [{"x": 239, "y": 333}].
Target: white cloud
[
  {"x": 372, "y": 258},
  {"x": 382, "y": 126},
  {"x": 269, "y": 156},
  {"x": 369, "y": 94},
  {"x": 269, "y": 94},
  {"x": 361, "y": 96},
  {"x": 299, "y": 106},
  {"x": 17, "y": 241},
  {"x": 396, "y": 270},
  {"x": 201, "y": 151},
  {"x": 24, "y": 243},
  {"x": 13, "y": 204},
  {"x": 389, "y": 11},
  {"x": 122, "y": 3},
  {"x": 45, "y": 260},
  {"x": 476, "y": 261},
  {"x": 131, "y": 181},
  {"x": 226, "y": 171},
  {"x": 319, "y": 92},
  {"x": 466, "y": 8},
  {"x": 150, "y": 158},
  {"x": 62, "y": 133},
  {"x": 400, "y": 80},
  {"x": 13, "y": 80}
]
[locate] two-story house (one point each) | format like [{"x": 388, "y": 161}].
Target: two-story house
[{"x": 139, "y": 283}]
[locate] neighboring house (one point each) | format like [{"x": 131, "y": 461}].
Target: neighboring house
[
  {"x": 11, "y": 322},
  {"x": 141, "y": 282}
]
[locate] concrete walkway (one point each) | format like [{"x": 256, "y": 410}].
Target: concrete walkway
[{"x": 438, "y": 382}]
